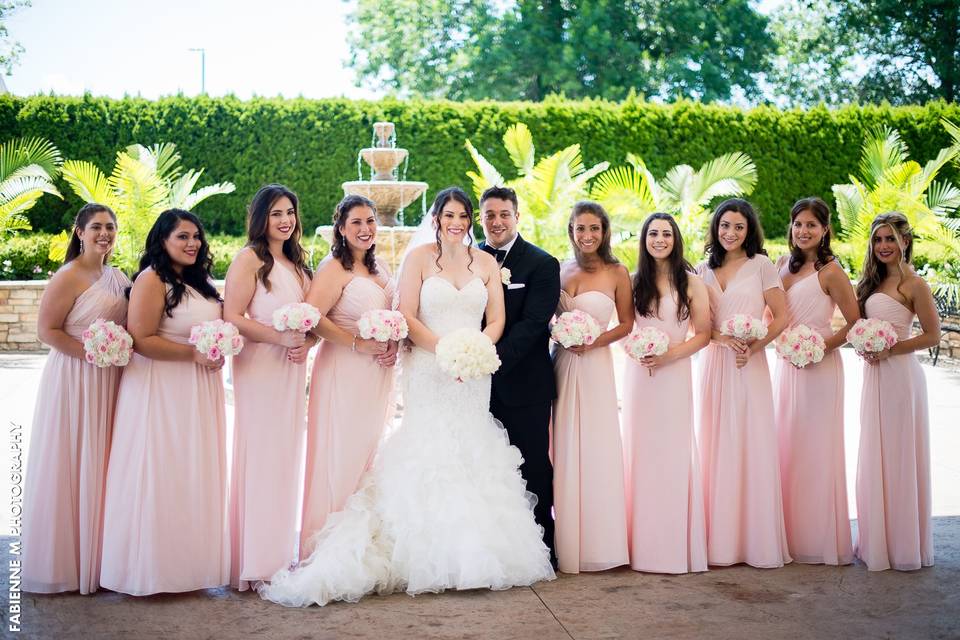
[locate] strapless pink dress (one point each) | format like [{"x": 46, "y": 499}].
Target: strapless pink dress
[
  {"x": 738, "y": 439},
  {"x": 893, "y": 471},
  {"x": 165, "y": 524},
  {"x": 269, "y": 425},
  {"x": 667, "y": 532},
  {"x": 809, "y": 415},
  {"x": 351, "y": 402},
  {"x": 69, "y": 447},
  {"x": 588, "y": 480}
]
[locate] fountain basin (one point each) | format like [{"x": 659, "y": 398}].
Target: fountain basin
[
  {"x": 390, "y": 196},
  {"x": 383, "y": 161}
]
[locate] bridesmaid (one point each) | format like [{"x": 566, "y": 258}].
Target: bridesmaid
[
  {"x": 269, "y": 383},
  {"x": 352, "y": 381},
  {"x": 589, "y": 499},
  {"x": 70, "y": 439},
  {"x": 738, "y": 441},
  {"x": 893, "y": 470},
  {"x": 809, "y": 401},
  {"x": 665, "y": 501},
  {"x": 165, "y": 514}
]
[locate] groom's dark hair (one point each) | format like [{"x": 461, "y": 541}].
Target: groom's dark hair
[{"x": 501, "y": 193}]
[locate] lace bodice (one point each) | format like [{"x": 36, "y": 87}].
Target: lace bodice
[{"x": 444, "y": 308}]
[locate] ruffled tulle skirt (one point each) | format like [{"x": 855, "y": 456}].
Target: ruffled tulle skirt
[{"x": 443, "y": 507}]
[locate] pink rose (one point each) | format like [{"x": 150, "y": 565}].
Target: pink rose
[
  {"x": 89, "y": 357},
  {"x": 214, "y": 353}
]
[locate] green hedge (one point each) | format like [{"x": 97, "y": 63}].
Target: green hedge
[{"x": 311, "y": 145}]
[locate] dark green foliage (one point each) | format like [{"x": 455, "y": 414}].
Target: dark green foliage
[{"x": 311, "y": 145}]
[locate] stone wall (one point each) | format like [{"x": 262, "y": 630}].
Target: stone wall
[{"x": 20, "y": 301}]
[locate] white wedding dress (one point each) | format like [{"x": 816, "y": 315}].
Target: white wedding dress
[{"x": 444, "y": 505}]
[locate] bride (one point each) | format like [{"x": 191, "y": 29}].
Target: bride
[{"x": 444, "y": 505}]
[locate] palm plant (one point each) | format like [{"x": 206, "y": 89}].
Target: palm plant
[
  {"x": 28, "y": 167},
  {"x": 144, "y": 182},
  {"x": 547, "y": 190},
  {"x": 890, "y": 181},
  {"x": 631, "y": 193}
]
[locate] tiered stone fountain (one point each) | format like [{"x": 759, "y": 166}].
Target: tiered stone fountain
[{"x": 388, "y": 188}]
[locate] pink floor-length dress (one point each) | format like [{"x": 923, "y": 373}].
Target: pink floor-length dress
[
  {"x": 738, "y": 439},
  {"x": 809, "y": 415},
  {"x": 588, "y": 480},
  {"x": 351, "y": 402},
  {"x": 667, "y": 532},
  {"x": 165, "y": 525},
  {"x": 69, "y": 446},
  {"x": 893, "y": 470},
  {"x": 270, "y": 404}
]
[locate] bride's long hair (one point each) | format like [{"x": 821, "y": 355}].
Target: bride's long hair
[{"x": 445, "y": 196}]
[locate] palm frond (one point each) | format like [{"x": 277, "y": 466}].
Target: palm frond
[
  {"x": 732, "y": 174},
  {"x": 220, "y": 188},
  {"x": 943, "y": 198},
  {"x": 163, "y": 159},
  {"x": 88, "y": 182},
  {"x": 677, "y": 187},
  {"x": 624, "y": 192},
  {"x": 519, "y": 144},
  {"x": 933, "y": 167},
  {"x": 882, "y": 149},
  {"x": 12, "y": 210},
  {"x": 18, "y": 183},
  {"x": 57, "y": 250},
  {"x": 488, "y": 176},
  {"x": 21, "y": 152},
  {"x": 180, "y": 189}
]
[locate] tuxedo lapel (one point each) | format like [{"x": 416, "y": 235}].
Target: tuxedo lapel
[{"x": 515, "y": 254}]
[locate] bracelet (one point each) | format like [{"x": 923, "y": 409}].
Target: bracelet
[{"x": 353, "y": 347}]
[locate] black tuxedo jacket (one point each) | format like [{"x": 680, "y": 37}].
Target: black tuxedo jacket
[{"x": 526, "y": 372}]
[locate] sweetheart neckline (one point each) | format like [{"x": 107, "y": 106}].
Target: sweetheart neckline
[{"x": 453, "y": 286}]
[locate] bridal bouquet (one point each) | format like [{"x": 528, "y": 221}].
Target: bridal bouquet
[
  {"x": 382, "y": 325},
  {"x": 467, "y": 353},
  {"x": 216, "y": 339},
  {"x": 296, "y": 316},
  {"x": 646, "y": 341},
  {"x": 800, "y": 346},
  {"x": 871, "y": 335},
  {"x": 744, "y": 327},
  {"x": 573, "y": 328},
  {"x": 107, "y": 344}
]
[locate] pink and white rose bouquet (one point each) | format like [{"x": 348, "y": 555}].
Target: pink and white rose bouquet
[
  {"x": 467, "y": 353},
  {"x": 744, "y": 327},
  {"x": 574, "y": 328},
  {"x": 107, "y": 344},
  {"x": 800, "y": 345},
  {"x": 871, "y": 335},
  {"x": 216, "y": 339},
  {"x": 296, "y": 316},
  {"x": 382, "y": 325},
  {"x": 646, "y": 341}
]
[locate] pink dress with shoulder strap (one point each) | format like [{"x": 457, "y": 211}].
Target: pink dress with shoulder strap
[
  {"x": 69, "y": 446},
  {"x": 894, "y": 508},
  {"x": 165, "y": 524},
  {"x": 809, "y": 414},
  {"x": 269, "y": 395}
]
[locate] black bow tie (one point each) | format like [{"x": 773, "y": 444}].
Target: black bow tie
[{"x": 499, "y": 254}]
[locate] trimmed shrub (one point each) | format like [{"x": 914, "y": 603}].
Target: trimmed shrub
[{"x": 312, "y": 145}]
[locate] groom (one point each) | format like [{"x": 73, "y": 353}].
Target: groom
[{"x": 524, "y": 387}]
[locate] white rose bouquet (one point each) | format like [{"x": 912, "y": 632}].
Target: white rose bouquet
[
  {"x": 296, "y": 316},
  {"x": 467, "y": 353},
  {"x": 871, "y": 335},
  {"x": 382, "y": 325},
  {"x": 216, "y": 339},
  {"x": 801, "y": 345},
  {"x": 646, "y": 341},
  {"x": 107, "y": 344},
  {"x": 574, "y": 328},
  {"x": 744, "y": 327}
]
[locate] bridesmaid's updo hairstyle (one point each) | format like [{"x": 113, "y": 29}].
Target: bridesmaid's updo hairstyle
[
  {"x": 604, "y": 251},
  {"x": 340, "y": 250},
  {"x": 874, "y": 271},
  {"x": 436, "y": 209},
  {"x": 646, "y": 296},
  {"x": 155, "y": 256},
  {"x": 86, "y": 212},
  {"x": 258, "y": 219},
  {"x": 752, "y": 244},
  {"x": 821, "y": 212}
]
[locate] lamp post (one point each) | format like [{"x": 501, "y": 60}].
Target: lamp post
[{"x": 203, "y": 68}]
